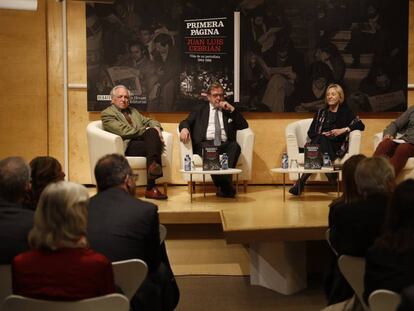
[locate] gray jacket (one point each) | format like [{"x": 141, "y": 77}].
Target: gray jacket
[{"x": 404, "y": 125}]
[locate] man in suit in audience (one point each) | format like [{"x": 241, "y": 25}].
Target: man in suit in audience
[
  {"x": 15, "y": 221},
  {"x": 201, "y": 126},
  {"x": 122, "y": 227},
  {"x": 142, "y": 136}
]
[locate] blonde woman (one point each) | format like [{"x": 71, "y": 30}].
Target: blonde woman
[
  {"x": 60, "y": 265},
  {"x": 330, "y": 129}
]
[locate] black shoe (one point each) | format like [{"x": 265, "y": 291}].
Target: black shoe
[
  {"x": 228, "y": 193},
  {"x": 297, "y": 188}
]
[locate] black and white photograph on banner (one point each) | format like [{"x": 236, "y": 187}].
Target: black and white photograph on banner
[
  {"x": 165, "y": 52},
  {"x": 291, "y": 50}
]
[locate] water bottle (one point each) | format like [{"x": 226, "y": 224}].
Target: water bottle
[
  {"x": 326, "y": 160},
  {"x": 224, "y": 162},
  {"x": 187, "y": 163},
  {"x": 285, "y": 161}
]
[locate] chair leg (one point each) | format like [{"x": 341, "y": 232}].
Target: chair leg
[
  {"x": 165, "y": 188},
  {"x": 191, "y": 185},
  {"x": 245, "y": 186}
]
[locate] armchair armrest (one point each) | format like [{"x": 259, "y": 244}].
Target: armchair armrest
[{"x": 245, "y": 139}]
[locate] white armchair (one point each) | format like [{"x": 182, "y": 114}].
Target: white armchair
[
  {"x": 408, "y": 170},
  {"x": 245, "y": 138},
  {"x": 296, "y": 134},
  {"x": 101, "y": 142}
]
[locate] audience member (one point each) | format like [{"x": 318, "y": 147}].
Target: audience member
[
  {"x": 142, "y": 136},
  {"x": 200, "y": 127},
  {"x": 15, "y": 221},
  {"x": 355, "y": 226},
  {"x": 60, "y": 265},
  {"x": 407, "y": 299},
  {"x": 336, "y": 287},
  {"x": 123, "y": 227},
  {"x": 389, "y": 262},
  {"x": 330, "y": 129},
  {"x": 399, "y": 151},
  {"x": 44, "y": 170}
]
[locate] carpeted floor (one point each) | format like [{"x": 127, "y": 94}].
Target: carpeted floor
[{"x": 234, "y": 293}]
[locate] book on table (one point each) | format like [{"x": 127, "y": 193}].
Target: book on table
[
  {"x": 313, "y": 157},
  {"x": 211, "y": 161}
]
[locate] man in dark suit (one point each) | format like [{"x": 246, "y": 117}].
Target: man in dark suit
[
  {"x": 201, "y": 125},
  {"x": 122, "y": 227},
  {"x": 15, "y": 221}
]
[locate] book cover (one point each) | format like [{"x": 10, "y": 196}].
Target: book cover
[
  {"x": 211, "y": 160},
  {"x": 313, "y": 159}
]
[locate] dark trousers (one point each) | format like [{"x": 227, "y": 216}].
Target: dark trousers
[
  {"x": 232, "y": 149},
  {"x": 147, "y": 145},
  {"x": 397, "y": 153}
]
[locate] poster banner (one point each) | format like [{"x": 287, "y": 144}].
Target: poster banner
[
  {"x": 207, "y": 57},
  {"x": 165, "y": 52},
  {"x": 168, "y": 52}
]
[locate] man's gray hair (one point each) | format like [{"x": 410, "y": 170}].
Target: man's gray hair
[
  {"x": 119, "y": 86},
  {"x": 14, "y": 178},
  {"x": 374, "y": 175}
]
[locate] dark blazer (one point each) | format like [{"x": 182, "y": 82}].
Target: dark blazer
[
  {"x": 122, "y": 227},
  {"x": 387, "y": 269},
  {"x": 197, "y": 123},
  {"x": 15, "y": 224},
  {"x": 355, "y": 226}
]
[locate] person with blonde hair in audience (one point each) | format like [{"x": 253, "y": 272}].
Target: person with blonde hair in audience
[
  {"x": 355, "y": 226},
  {"x": 389, "y": 262},
  {"x": 61, "y": 266},
  {"x": 44, "y": 170}
]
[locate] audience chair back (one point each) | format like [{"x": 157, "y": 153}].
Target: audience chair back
[
  {"x": 353, "y": 269},
  {"x": 296, "y": 134},
  {"x": 109, "y": 302},
  {"x": 383, "y": 300},
  {"x": 129, "y": 275},
  {"x": 245, "y": 138},
  {"x": 101, "y": 142},
  {"x": 5, "y": 281}
]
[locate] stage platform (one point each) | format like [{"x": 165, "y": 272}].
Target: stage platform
[{"x": 259, "y": 213}]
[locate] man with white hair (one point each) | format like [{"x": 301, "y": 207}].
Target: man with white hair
[{"x": 142, "y": 136}]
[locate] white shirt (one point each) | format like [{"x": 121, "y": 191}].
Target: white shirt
[{"x": 211, "y": 128}]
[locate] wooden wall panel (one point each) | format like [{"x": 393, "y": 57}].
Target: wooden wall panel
[
  {"x": 55, "y": 79},
  {"x": 23, "y": 109}
]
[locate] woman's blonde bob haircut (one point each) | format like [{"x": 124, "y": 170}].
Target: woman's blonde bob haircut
[
  {"x": 337, "y": 88},
  {"x": 60, "y": 219}
]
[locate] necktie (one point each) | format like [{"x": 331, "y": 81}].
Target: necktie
[
  {"x": 217, "y": 129},
  {"x": 127, "y": 116}
]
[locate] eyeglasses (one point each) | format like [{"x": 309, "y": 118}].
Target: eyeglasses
[{"x": 217, "y": 95}]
